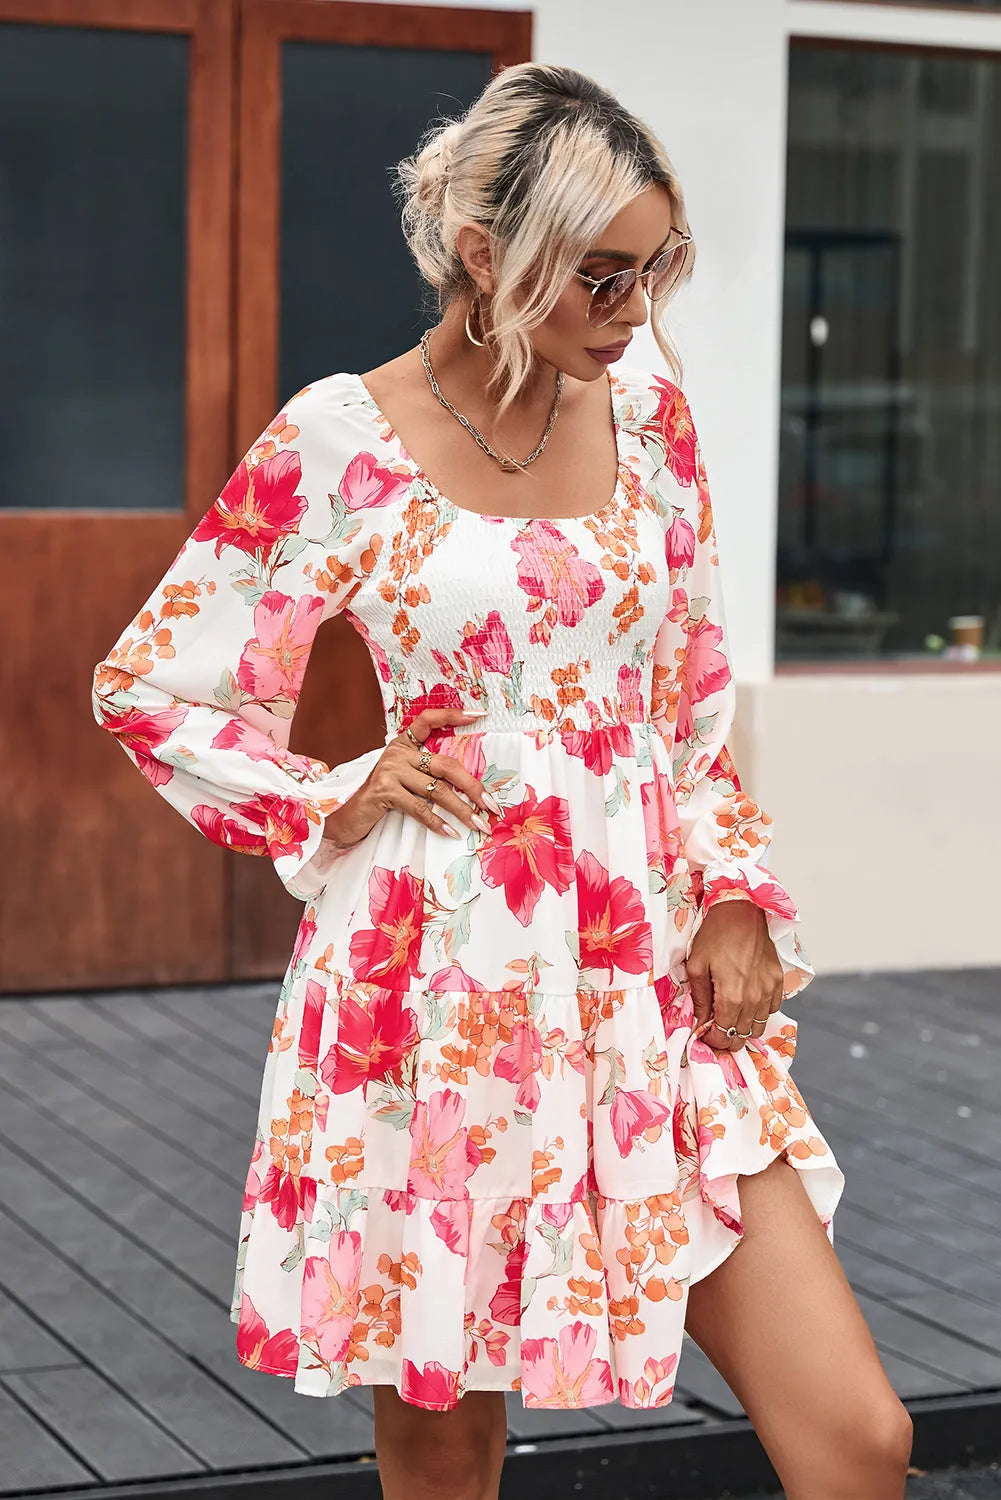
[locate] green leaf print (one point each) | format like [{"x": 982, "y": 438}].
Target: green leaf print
[
  {"x": 616, "y": 1073},
  {"x": 459, "y": 875},
  {"x": 304, "y": 1079},
  {"x": 229, "y": 694},
  {"x": 298, "y": 1250}
]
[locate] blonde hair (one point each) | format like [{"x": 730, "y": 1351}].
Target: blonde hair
[{"x": 542, "y": 159}]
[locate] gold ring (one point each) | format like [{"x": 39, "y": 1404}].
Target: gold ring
[
  {"x": 758, "y": 1021},
  {"x": 411, "y": 738},
  {"x": 429, "y": 789}
]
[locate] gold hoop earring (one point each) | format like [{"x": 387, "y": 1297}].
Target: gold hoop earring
[{"x": 480, "y": 343}]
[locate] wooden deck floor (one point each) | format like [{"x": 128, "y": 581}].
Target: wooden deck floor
[{"x": 117, "y": 1244}]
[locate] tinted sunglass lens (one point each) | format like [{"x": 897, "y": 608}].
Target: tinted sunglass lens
[
  {"x": 610, "y": 296},
  {"x": 666, "y": 270}
]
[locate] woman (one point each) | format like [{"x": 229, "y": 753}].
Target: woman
[{"x": 526, "y": 1114}]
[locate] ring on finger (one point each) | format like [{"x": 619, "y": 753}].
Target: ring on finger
[
  {"x": 410, "y": 736},
  {"x": 424, "y": 760},
  {"x": 731, "y": 1031},
  {"x": 429, "y": 790}
]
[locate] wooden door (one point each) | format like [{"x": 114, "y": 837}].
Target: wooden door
[
  {"x": 176, "y": 279},
  {"x": 116, "y": 401}
]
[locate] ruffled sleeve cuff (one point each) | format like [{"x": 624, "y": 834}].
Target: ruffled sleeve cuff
[
  {"x": 305, "y": 860},
  {"x": 744, "y": 880}
]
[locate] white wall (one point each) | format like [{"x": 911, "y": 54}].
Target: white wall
[{"x": 886, "y": 829}]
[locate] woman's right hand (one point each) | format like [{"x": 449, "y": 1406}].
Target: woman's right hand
[{"x": 397, "y": 781}]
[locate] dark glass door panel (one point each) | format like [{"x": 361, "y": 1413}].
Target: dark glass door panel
[
  {"x": 93, "y": 147},
  {"x": 351, "y": 297}
]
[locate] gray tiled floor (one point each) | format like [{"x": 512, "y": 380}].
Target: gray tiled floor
[{"x": 117, "y": 1240}]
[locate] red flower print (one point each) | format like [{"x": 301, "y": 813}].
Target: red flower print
[
  {"x": 661, "y": 824},
  {"x": 611, "y": 919},
  {"x": 442, "y": 695},
  {"x": 312, "y": 1019},
  {"x": 527, "y": 849},
  {"x": 391, "y": 949},
  {"x": 143, "y": 732},
  {"x": 273, "y": 664},
  {"x": 518, "y": 1061},
  {"x": 372, "y": 1041},
  {"x": 490, "y": 645},
  {"x": 679, "y": 543},
  {"x": 227, "y": 831},
  {"x": 434, "y": 1387},
  {"x": 303, "y": 938},
  {"x": 553, "y": 574},
  {"x": 291, "y": 1195},
  {"x": 277, "y": 1353},
  {"x": 366, "y": 483},
  {"x": 634, "y": 1112},
  {"x": 674, "y": 421},
  {"x": 283, "y": 820},
  {"x": 630, "y": 686},
  {"x": 258, "y": 507},
  {"x": 597, "y": 746},
  {"x": 564, "y": 1372},
  {"x": 331, "y": 1295},
  {"x": 442, "y": 1156},
  {"x": 505, "y": 1304}
]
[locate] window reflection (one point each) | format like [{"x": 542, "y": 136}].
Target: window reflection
[{"x": 890, "y": 468}]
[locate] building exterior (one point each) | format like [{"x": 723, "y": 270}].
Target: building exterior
[{"x": 197, "y": 223}]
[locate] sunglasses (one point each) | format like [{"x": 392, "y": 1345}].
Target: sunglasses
[{"x": 609, "y": 294}]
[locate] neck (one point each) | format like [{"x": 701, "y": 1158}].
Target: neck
[{"x": 462, "y": 370}]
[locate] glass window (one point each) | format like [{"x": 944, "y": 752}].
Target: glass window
[
  {"x": 350, "y": 293},
  {"x": 890, "y": 467},
  {"x": 92, "y": 214}
]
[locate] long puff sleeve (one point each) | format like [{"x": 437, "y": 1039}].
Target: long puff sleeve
[
  {"x": 726, "y": 834},
  {"x": 201, "y": 687}
]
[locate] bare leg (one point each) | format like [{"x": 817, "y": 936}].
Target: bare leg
[
  {"x": 779, "y": 1321},
  {"x": 440, "y": 1455}
]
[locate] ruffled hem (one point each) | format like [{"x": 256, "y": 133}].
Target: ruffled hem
[{"x": 573, "y": 1300}]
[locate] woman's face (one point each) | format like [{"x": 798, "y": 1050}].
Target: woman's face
[{"x": 633, "y": 238}]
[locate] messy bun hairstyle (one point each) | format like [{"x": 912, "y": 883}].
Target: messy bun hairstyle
[{"x": 542, "y": 159}]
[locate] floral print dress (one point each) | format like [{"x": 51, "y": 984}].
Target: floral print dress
[{"x": 493, "y": 1150}]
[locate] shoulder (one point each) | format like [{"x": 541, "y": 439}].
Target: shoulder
[{"x": 654, "y": 407}]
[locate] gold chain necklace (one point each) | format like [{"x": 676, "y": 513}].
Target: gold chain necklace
[{"x": 507, "y": 464}]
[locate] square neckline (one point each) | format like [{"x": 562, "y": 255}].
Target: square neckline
[{"x": 443, "y": 501}]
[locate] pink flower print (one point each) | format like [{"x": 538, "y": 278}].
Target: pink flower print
[
  {"x": 442, "y": 695},
  {"x": 390, "y": 949},
  {"x": 679, "y": 544},
  {"x": 528, "y": 848},
  {"x": 705, "y": 670},
  {"x": 612, "y": 923},
  {"x": 227, "y": 831},
  {"x": 277, "y": 1353},
  {"x": 673, "y": 422},
  {"x": 766, "y": 894},
  {"x": 490, "y": 645},
  {"x": 282, "y": 820},
  {"x": 518, "y": 1061},
  {"x": 303, "y": 938},
  {"x": 273, "y": 664},
  {"x": 372, "y": 1040},
  {"x": 450, "y": 1221},
  {"x": 557, "y": 1214},
  {"x": 467, "y": 749},
  {"x": 258, "y": 507},
  {"x": 366, "y": 482},
  {"x": 661, "y": 824},
  {"x": 292, "y": 1196},
  {"x": 555, "y": 577},
  {"x": 633, "y": 1113},
  {"x": 564, "y": 1372},
  {"x": 442, "y": 1155},
  {"x": 331, "y": 1296},
  {"x": 433, "y": 1387}
]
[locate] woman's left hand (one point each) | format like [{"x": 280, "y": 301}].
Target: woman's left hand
[{"x": 734, "y": 972}]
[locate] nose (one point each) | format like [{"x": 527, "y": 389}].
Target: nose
[{"x": 635, "y": 309}]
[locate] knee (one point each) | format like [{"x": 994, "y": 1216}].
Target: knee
[
  {"x": 450, "y": 1465},
  {"x": 881, "y": 1440}
]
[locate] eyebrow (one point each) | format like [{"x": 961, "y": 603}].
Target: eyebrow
[{"x": 622, "y": 254}]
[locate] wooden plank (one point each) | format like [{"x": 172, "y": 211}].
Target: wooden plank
[
  {"x": 102, "y": 1425},
  {"x": 914, "y": 1252},
  {"x": 935, "y": 1348},
  {"x": 31, "y": 1457},
  {"x": 25, "y": 1344}
]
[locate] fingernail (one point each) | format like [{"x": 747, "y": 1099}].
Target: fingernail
[
  {"x": 492, "y": 802},
  {"x": 453, "y": 833},
  {"x": 473, "y": 713},
  {"x": 480, "y": 822}
]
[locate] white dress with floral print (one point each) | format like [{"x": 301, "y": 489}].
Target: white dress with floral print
[{"x": 493, "y": 1150}]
